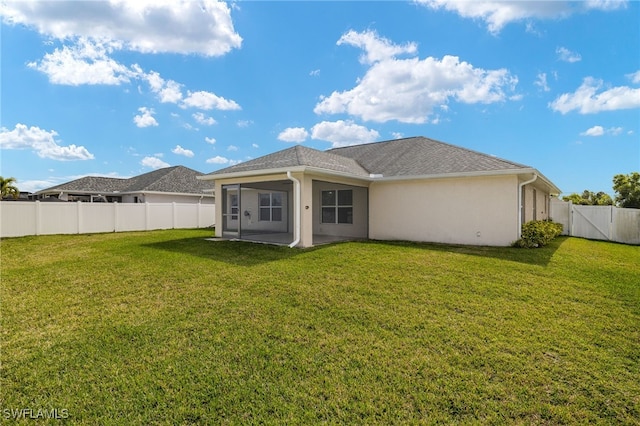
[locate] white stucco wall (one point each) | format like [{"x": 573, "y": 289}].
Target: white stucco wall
[{"x": 475, "y": 211}]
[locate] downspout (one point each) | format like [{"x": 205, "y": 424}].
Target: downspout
[
  {"x": 297, "y": 212},
  {"x": 520, "y": 186}
]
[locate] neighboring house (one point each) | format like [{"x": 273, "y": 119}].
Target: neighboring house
[
  {"x": 415, "y": 189},
  {"x": 172, "y": 184}
]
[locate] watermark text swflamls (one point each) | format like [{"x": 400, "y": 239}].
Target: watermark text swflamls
[{"x": 32, "y": 413}]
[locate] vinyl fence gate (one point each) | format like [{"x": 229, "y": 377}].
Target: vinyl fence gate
[{"x": 607, "y": 223}]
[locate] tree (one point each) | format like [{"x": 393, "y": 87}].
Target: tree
[
  {"x": 8, "y": 188},
  {"x": 589, "y": 198},
  {"x": 627, "y": 188}
]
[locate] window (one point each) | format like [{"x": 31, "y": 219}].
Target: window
[
  {"x": 337, "y": 206},
  {"x": 270, "y": 206},
  {"x": 233, "y": 203}
]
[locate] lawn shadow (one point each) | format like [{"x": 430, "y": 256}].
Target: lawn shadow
[
  {"x": 241, "y": 253},
  {"x": 244, "y": 253},
  {"x": 538, "y": 256}
]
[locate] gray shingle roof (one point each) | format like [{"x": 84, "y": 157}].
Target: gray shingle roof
[
  {"x": 177, "y": 179},
  {"x": 416, "y": 156},
  {"x": 419, "y": 156},
  {"x": 299, "y": 156}
]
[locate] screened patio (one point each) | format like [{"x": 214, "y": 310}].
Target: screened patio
[{"x": 264, "y": 212}]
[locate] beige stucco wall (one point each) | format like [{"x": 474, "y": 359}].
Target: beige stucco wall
[
  {"x": 463, "y": 210},
  {"x": 535, "y": 205},
  {"x": 475, "y": 211}
]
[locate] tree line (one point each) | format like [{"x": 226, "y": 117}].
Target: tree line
[{"x": 626, "y": 187}]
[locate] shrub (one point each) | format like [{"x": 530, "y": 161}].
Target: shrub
[{"x": 538, "y": 233}]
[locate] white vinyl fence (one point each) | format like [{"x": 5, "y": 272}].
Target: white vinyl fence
[
  {"x": 19, "y": 218},
  {"x": 607, "y": 223}
]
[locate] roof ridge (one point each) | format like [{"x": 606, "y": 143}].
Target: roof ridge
[{"x": 297, "y": 149}]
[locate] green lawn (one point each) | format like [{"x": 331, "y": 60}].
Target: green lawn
[{"x": 168, "y": 328}]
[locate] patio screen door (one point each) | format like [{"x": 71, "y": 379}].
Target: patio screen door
[{"x": 231, "y": 211}]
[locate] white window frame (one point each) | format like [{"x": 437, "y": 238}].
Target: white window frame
[
  {"x": 271, "y": 207},
  {"x": 337, "y": 206}
]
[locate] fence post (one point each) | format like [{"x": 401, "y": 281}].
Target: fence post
[
  {"x": 610, "y": 236},
  {"x": 79, "y": 213},
  {"x": 173, "y": 215},
  {"x": 146, "y": 215},
  {"x": 570, "y": 218},
  {"x": 115, "y": 216},
  {"x": 37, "y": 217}
]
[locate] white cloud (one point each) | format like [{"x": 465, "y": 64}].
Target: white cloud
[
  {"x": 634, "y": 77},
  {"x": 168, "y": 91},
  {"x": 255, "y": 145},
  {"x": 293, "y": 134},
  {"x": 203, "y": 119},
  {"x": 86, "y": 62},
  {"x": 586, "y": 100},
  {"x": 314, "y": 73},
  {"x": 207, "y": 100},
  {"x": 153, "y": 163},
  {"x": 145, "y": 119},
  {"x": 593, "y": 131},
  {"x": 408, "y": 90},
  {"x": 343, "y": 133},
  {"x": 36, "y": 185},
  {"x": 232, "y": 148},
  {"x": 203, "y": 27},
  {"x": 42, "y": 142},
  {"x": 541, "y": 82},
  {"x": 606, "y": 4},
  {"x": 244, "y": 123},
  {"x": 498, "y": 14},
  {"x": 376, "y": 48},
  {"x": 218, "y": 160},
  {"x": 600, "y": 131},
  {"x": 178, "y": 150},
  {"x": 210, "y": 140},
  {"x": 567, "y": 55}
]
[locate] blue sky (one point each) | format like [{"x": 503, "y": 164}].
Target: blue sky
[{"x": 118, "y": 88}]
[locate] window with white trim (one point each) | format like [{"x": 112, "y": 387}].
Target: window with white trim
[
  {"x": 337, "y": 206},
  {"x": 270, "y": 206}
]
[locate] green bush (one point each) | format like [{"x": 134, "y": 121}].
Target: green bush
[{"x": 538, "y": 233}]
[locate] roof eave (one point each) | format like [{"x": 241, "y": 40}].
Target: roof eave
[
  {"x": 505, "y": 172},
  {"x": 294, "y": 169},
  {"x": 251, "y": 173},
  {"x": 373, "y": 178}
]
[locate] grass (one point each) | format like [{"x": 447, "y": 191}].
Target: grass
[{"x": 167, "y": 328}]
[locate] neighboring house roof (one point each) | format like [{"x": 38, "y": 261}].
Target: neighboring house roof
[{"x": 176, "y": 179}]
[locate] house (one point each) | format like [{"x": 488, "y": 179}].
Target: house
[
  {"x": 415, "y": 189},
  {"x": 171, "y": 184}
]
